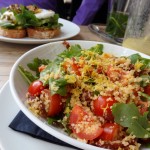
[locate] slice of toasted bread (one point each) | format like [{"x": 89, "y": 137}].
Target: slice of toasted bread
[
  {"x": 13, "y": 33},
  {"x": 40, "y": 33}
]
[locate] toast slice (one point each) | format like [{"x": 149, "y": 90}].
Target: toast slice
[
  {"x": 41, "y": 33},
  {"x": 13, "y": 33}
]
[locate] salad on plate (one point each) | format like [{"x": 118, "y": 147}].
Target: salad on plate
[{"x": 96, "y": 97}]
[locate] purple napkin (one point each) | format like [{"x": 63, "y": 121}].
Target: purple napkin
[{"x": 22, "y": 124}]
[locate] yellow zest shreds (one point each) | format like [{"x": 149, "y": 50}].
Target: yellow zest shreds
[
  {"x": 123, "y": 86},
  {"x": 138, "y": 65},
  {"x": 70, "y": 78}
]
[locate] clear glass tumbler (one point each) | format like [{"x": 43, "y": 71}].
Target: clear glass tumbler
[
  {"x": 117, "y": 18},
  {"x": 137, "y": 35}
]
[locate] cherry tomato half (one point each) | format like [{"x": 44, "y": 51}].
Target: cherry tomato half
[
  {"x": 55, "y": 103},
  {"x": 74, "y": 66},
  {"x": 76, "y": 119},
  {"x": 102, "y": 107},
  {"x": 35, "y": 88},
  {"x": 110, "y": 132}
]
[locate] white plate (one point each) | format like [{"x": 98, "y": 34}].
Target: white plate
[
  {"x": 68, "y": 30},
  {"x": 18, "y": 86},
  {"x": 12, "y": 140}
]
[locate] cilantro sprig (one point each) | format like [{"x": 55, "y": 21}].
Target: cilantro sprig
[
  {"x": 36, "y": 63},
  {"x": 28, "y": 76},
  {"x": 97, "y": 49}
]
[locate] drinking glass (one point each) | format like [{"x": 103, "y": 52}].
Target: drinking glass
[
  {"x": 137, "y": 35},
  {"x": 117, "y": 18}
]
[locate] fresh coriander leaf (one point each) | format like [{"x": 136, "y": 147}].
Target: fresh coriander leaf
[
  {"x": 58, "y": 86},
  {"x": 128, "y": 115},
  {"x": 52, "y": 67},
  {"x": 97, "y": 49},
  {"x": 134, "y": 58},
  {"x": 51, "y": 120},
  {"x": 36, "y": 63},
  {"x": 28, "y": 76},
  {"x": 72, "y": 51}
]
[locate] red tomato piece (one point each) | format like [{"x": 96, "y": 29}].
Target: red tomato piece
[
  {"x": 110, "y": 132},
  {"x": 55, "y": 105},
  {"x": 77, "y": 114},
  {"x": 76, "y": 119},
  {"x": 76, "y": 68},
  {"x": 115, "y": 74},
  {"x": 41, "y": 68},
  {"x": 35, "y": 88},
  {"x": 102, "y": 107},
  {"x": 147, "y": 89}
]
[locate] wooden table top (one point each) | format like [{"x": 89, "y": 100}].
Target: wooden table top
[{"x": 10, "y": 52}]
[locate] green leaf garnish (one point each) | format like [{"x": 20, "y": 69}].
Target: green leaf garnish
[
  {"x": 136, "y": 57},
  {"x": 28, "y": 76},
  {"x": 36, "y": 63},
  {"x": 58, "y": 86},
  {"x": 97, "y": 49},
  {"x": 128, "y": 115},
  {"x": 72, "y": 51}
]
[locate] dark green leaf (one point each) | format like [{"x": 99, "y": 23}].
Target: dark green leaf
[
  {"x": 36, "y": 63},
  {"x": 28, "y": 76},
  {"x": 146, "y": 63},
  {"x": 134, "y": 58},
  {"x": 73, "y": 51},
  {"x": 59, "y": 84},
  {"x": 51, "y": 120},
  {"x": 127, "y": 115},
  {"x": 52, "y": 67},
  {"x": 97, "y": 49}
]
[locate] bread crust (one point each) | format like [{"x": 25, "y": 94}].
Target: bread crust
[
  {"x": 13, "y": 33},
  {"x": 40, "y": 33}
]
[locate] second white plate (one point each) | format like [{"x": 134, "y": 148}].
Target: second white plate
[
  {"x": 12, "y": 140},
  {"x": 68, "y": 30}
]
